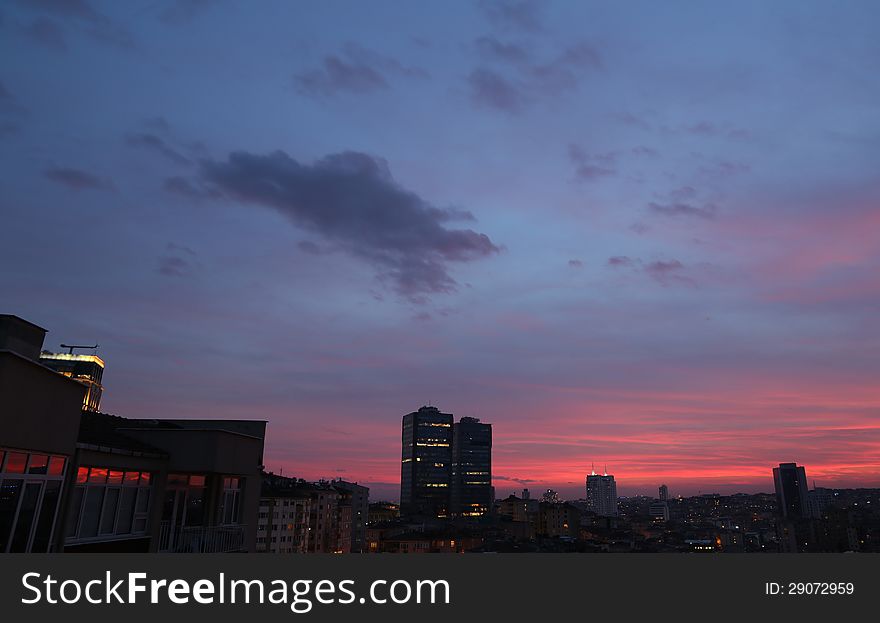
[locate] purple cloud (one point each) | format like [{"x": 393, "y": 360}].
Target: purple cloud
[
  {"x": 706, "y": 211},
  {"x": 357, "y": 70},
  {"x": 493, "y": 90},
  {"x": 77, "y": 179},
  {"x": 352, "y": 200}
]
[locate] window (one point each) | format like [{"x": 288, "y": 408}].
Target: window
[
  {"x": 108, "y": 503},
  {"x": 30, "y": 487},
  {"x": 231, "y": 500}
]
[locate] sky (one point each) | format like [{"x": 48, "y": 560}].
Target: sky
[{"x": 637, "y": 235}]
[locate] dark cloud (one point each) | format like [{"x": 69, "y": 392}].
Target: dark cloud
[
  {"x": 619, "y": 260},
  {"x": 145, "y": 140},
  {"x": 706, "y": 211},
  {"x": 183, "y": 11},
  {"x": 77, "y": 179},
  {"x": 492, "y": 90},
  {"x": 178, "y": 261},
  {"x": 493, "y": 49},
  {"x": 642, "y": 150},
  {"x": 352, "y": 200},
  {"x": 664, "y": 272},
  {"x": 47, "y": 33},
  {"x": 90, "y": 21},
  {"x": 356, "y": 70},
  {"x": 521, "y": 15},
  {"x": 627, "y": 118},
  {"x": 591, "y": 166},
  {"x": 529, "y": 81},
  {"x": 575, "y": 263}
]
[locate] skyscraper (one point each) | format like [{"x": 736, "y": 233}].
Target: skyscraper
[
  {"x": 602, "y": 494},
  {"x": 471, "y": 468},
  {"x": 791, "y": 491},
  {"x": 85, "y": 369},
  {"x": 664, "y": 493},
  {"x": 426, "y": 463}
]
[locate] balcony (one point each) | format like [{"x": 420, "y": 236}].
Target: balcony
[{"x": 201, "y": 539}]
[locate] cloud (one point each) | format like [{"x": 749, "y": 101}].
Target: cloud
[
  {"x": 575, "y": 263},
  {"x": 352, "y": 200},
  {"x": 521, "y": 15},
  {"x": 190, "y": 189},
  {"x": 492, "y": 90},
  {"x": 178, "y": 261},
  {"x": 493, "y": 49},
  {"x": 93, "y": 23},
  {"x": 154, "y": 143},
  {"x": 529, "y": 81},
  {"x": 662, "y": 271},
  {"x": 357, "y": 70},
  {"x": 47, "y": 33},
  {"x": 591, "y": 166},
  {"x": 706, "y": 211},
  {"x": 77, "y": 179}
]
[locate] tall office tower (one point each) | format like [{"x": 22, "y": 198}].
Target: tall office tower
[
  {"x": 426, "y": 463},
  {"x": 791, "y": 491},
  {"x": 471, "y": 468},
  {"x": 85, "y": 369},
  {"x": 664, "y": 493},
  {"x": 602, "y": 494}
]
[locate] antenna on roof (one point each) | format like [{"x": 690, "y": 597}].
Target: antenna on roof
[{"x": 70, "y": 347}]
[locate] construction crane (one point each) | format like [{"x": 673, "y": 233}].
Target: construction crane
[{"x": 70, "y": 347}]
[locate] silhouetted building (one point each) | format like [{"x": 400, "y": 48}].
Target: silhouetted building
[
  {"x": 791, "y": 491},
  {"x": 75, "y": 480},
  {"x": 39, "y": 421},
  {"x": 471, "y": 468},
  {"x": 659, "y": 511},
  {"x": 602, "y": 495},
  {"x": 426, "y": 464},
  {"x": 558, "y": 520},
  {"x": 664, "y": 493},
  {"x": 550, "y": 496},
  {"x": 354, "y": 504},
  {"x": 85, "y": 369}
]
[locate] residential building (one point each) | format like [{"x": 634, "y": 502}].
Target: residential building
[{"x": 602, "y": 494}]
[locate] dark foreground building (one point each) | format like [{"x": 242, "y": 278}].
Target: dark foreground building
[
  {"x": 426, "y": 463},
  {"x": 472, "y": 494},
  {"x": 446, "y": 467},
  {"x": 74, "y": 480}
]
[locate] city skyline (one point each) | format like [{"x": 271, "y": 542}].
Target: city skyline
[{"x": 648, "y": 243}]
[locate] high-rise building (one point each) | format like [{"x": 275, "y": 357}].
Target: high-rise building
[
  {"x": 426, "y": 464},
  {"x": 471, "y": 468},
  {"x": 85, "y": 369},
  {"x": 602, "y": 494},
  {"x": 791, "y": 491},
  {"x": 664, "y": 493}
]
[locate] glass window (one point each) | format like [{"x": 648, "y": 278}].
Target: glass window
[
  {"x": 91, "y": 513},
  {"x": 15, "y": 462},
  {"x": 196, "y": 481},
  {"x": 2, "y": 455},
  {"x": 115, "y": 478},
  {"x": 39, "y": 464},
  {"x": 26, "y": 515},
  {"x": 145, "y": 479},
  {"x": 126, "y": 510},
  {"x": 131, "y": 478},
  {"x": 46, "y": 519},
  {"x": 82, "y": 475},
  {"x": 98, "y": 475},
  {"x": 75, "y": 511},
  {"x": 10, "y": 490},
  {"x": 195, "y": 507},
  {"x": 108, "y": 515},
  {"x": 56, "y": 466}
]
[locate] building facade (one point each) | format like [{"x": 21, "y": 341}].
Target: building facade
[
  {"x": 602, "y": 495},
  {"x": 426, "y": 464},
  {"x": 85, "y": 369},
  {"x": 790, "y": 481},
  {"x": 472, "y": 494}
]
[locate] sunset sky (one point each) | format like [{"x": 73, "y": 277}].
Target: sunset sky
[{"x": 643, "y": 235}]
